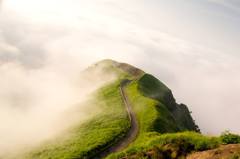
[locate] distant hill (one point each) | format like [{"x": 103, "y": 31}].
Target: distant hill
[{"x": 133, "y": 102}]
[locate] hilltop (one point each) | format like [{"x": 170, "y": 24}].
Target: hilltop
[
  {"x": 139, "y": 118},
  {"x": 148, "y": 86}
]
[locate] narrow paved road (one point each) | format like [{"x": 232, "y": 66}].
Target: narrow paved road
[{"x": 133, "y": 131}]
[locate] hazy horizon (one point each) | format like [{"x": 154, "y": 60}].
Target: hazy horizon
[{"x": 192, "y": 46}]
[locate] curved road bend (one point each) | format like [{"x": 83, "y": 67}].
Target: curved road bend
[{"x": 133, "y": 131}]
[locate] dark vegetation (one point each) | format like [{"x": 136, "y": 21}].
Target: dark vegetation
[
  {"x": 229, "y": 138},
  {"x": 151, "y": 87}
]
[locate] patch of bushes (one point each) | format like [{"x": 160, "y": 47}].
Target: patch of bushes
[
  {"x": 169, "y": 146},
  {"x": 229, "y": 138},
  {"x": 188, "y": 141}
]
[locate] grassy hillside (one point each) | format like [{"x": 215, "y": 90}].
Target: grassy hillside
[
  {"x": 151, "y": 87},
  {"x": 156, "y": 110},
  {"x": 92, "y": 137},
  {"x": 166, "y": 129},
  {"x": 88, "y": 139}
]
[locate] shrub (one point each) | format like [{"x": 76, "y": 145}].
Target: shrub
[{"x": 229, "y": 138}]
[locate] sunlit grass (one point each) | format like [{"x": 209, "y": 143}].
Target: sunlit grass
[
  {"x": 90, "y": 138},
  {"x": 157, "y": 123}
]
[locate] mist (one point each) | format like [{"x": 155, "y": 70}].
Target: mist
[
  {"x": 44, "y": 47},
  {"x": 40, "y": 104}
]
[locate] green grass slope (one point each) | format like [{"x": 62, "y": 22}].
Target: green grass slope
[
  {"x": 92, "y": 137},
  {"x": 167, "y": 130},
  {"x": 157, "y": 113},
  {"x": 89, "y": 139},
  {"x": 151, "y": 87},
  {"x": 161, "y": 120}
]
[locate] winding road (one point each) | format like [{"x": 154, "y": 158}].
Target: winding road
[{"x": 133, "y": 131}]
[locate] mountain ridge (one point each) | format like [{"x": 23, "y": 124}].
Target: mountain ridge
[
  {"x": 153, "y": 88},
  {"x": 166, "y": 129}
]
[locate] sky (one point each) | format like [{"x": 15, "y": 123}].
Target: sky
[{"x": 192, "y": 46}]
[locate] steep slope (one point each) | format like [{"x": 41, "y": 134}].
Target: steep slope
[
  {"x": 152, "y": 102},
  {"x": 164, "y": 126},
  {"x": 89, "y": 139},
  {"x": 146, "y": 85},
  {"x": 157, "y": 112},
  {"x": 151, "y": 87}
]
